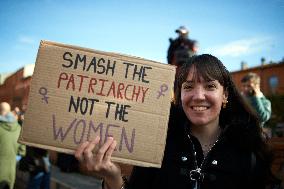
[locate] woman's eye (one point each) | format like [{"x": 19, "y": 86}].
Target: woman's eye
[
  {"x": 187, "y": 87},
  {"x": 211, "y": 86}
]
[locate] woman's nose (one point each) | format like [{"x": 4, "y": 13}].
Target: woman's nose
[{"x": 198, "y": 93}]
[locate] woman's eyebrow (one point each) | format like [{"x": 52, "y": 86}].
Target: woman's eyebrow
[
  {"x": 189, "y": 81},
  {"x": 211, "y": 80}
]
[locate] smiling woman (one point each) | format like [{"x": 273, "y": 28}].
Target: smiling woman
[
  {"x": 213, "y": 141},
  {"x": 202, "y": 100}
]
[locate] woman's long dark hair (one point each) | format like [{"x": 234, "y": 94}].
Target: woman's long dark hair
[{"x": 237, "y": 120}]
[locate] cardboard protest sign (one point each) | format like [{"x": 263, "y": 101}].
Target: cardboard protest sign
[{"x": 79, "y": 93}]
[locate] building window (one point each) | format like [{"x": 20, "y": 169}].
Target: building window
[{"x": 273, "y": 83}]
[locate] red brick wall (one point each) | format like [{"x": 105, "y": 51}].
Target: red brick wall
[
  {"x": 265, "y": 72},
  {"x": 15, "y": 89}
]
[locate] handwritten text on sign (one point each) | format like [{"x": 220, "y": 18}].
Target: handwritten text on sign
[
  {"x": 79, "y": 93},
  {"x": 100, "y": 87}
]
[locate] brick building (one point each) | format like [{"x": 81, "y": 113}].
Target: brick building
[
  {"x": 272, "y": 78},
  {"x": 14, "y": 88}
]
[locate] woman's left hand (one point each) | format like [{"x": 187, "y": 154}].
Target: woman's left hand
[{"x": 100, "y": 163}]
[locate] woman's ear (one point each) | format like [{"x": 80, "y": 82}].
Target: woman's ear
[
  {"x": 225, "y": 96},
  {"x": 225, "y": 99}
]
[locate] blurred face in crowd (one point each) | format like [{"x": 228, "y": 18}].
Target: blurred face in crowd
[
  {"x": 4, "y": 108},
  {"x": 249, "y": 88}
]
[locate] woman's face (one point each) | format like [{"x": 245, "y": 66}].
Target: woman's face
[{"x": 202, "y": 100}]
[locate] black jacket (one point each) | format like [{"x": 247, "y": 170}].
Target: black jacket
[
  {"x": 226, "y": 166},
  {"x": 182, "y": 48}
]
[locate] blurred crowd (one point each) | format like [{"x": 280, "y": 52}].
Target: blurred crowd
[{"x": 30, "y": 159}]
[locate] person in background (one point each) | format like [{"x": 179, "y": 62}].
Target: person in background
[
  {"x": 16, "y": 112},
  {"x": 38, "y": 167},
  {"x": 252, "y": 93},
  {"x": 181, "y": 48},
  {"x": 36, "y": 163},
  {"x": 9, "y": 147},
  {"x": 214, "y": 140},
  {"x": 19, "y": 115}
]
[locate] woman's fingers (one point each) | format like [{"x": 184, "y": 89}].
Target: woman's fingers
[
  {"x": 101, "y": 152},
  {"x": 88, "y": 152},
  {"x": 79, "y": 152},
  {"x": 109, "y": 151},
  {"x": 101, "y": 159}
]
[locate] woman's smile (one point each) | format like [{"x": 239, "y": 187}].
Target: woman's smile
[{"x": 199, "y": 108}]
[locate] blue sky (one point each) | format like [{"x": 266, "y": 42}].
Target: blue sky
[{"x": 234, "y": 31}]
